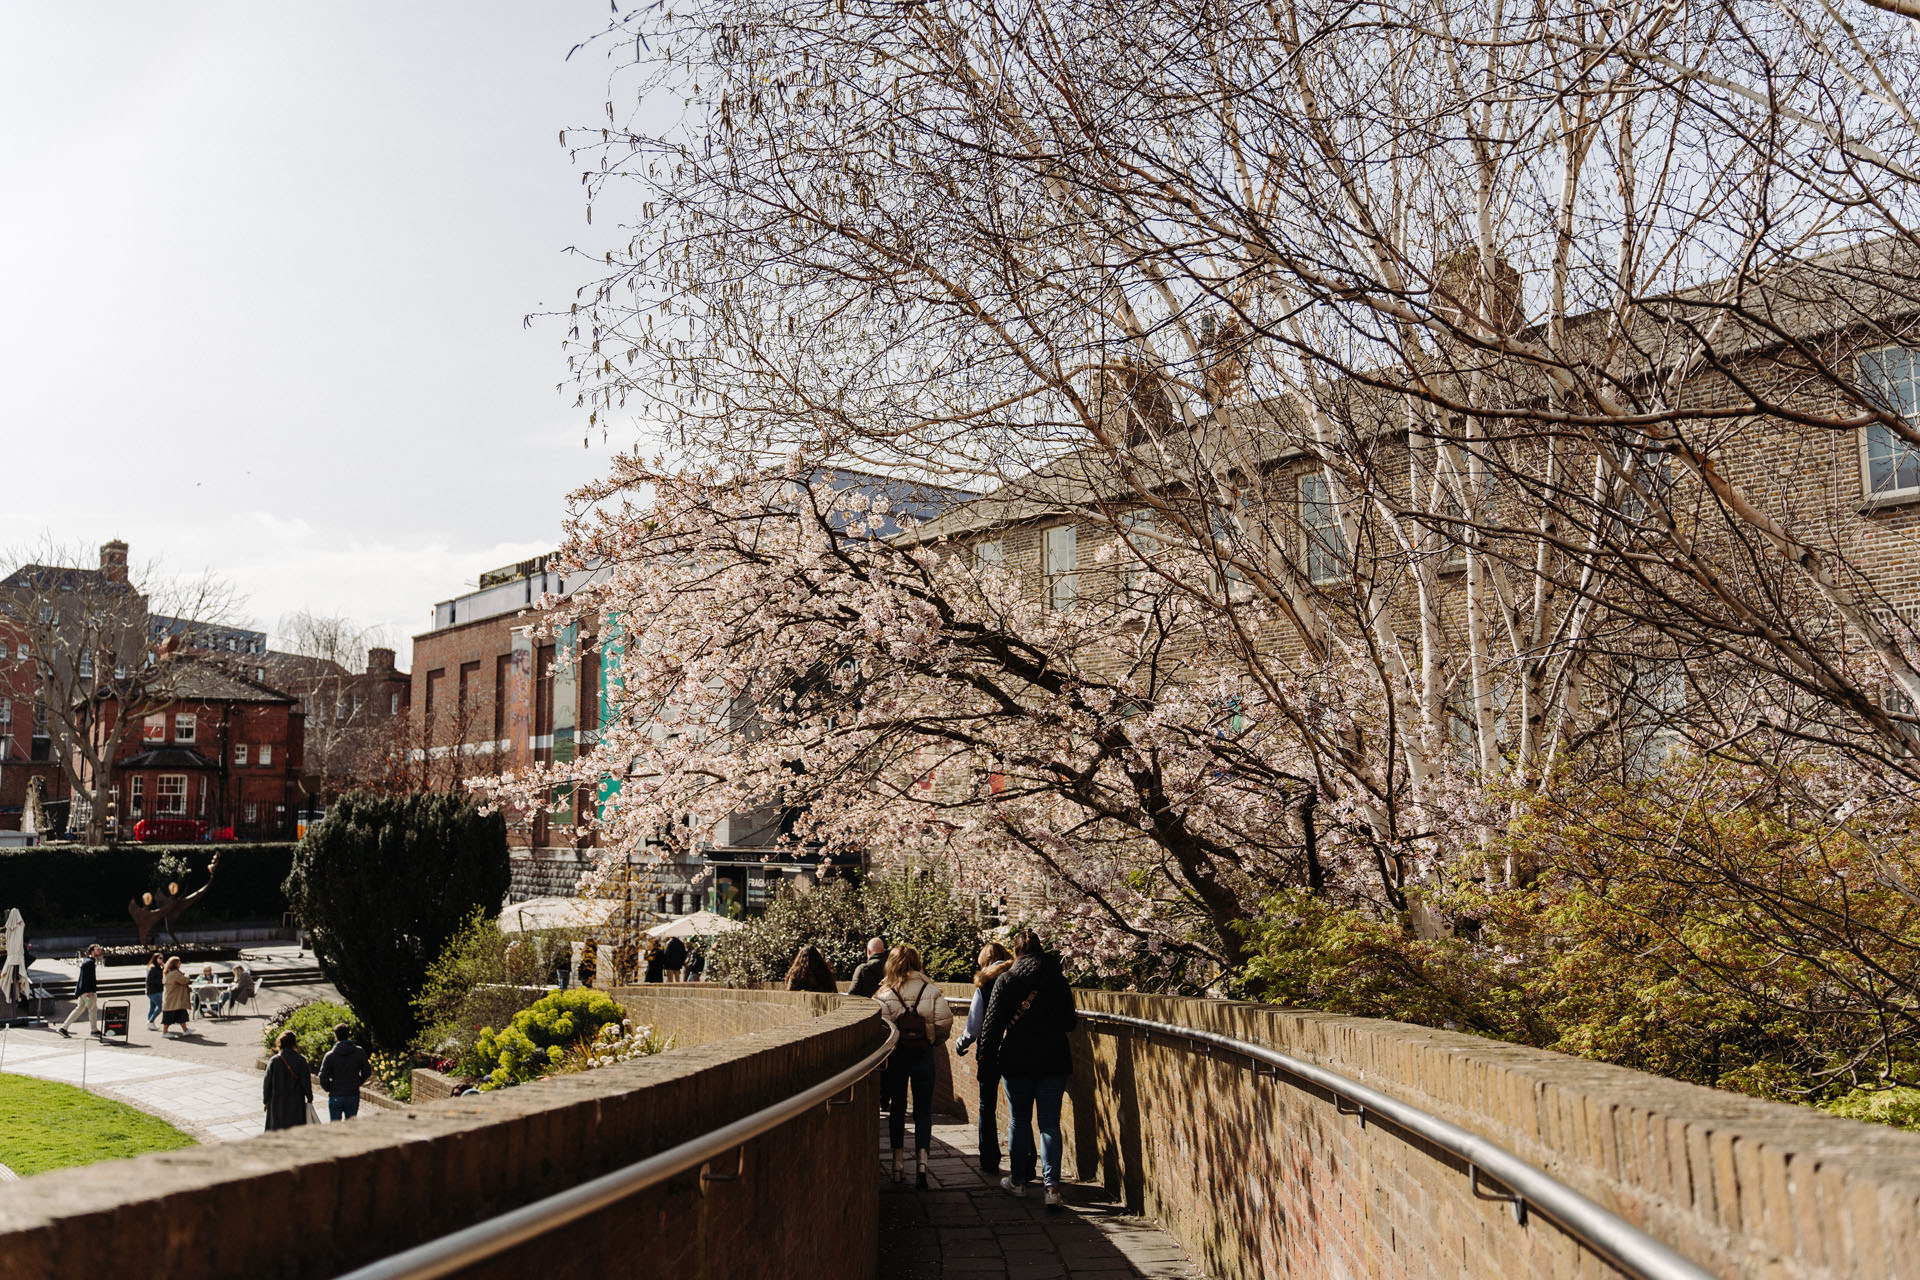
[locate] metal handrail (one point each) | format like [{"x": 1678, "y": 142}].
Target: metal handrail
[
  {"x": 488, "y": 1239},
  {"x": 1618, "y": 1241}
]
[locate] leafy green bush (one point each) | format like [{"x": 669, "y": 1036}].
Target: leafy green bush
[
  {"x": 539, "y": 1037},
  {"x": 312, "y": 1024},
  {"x": 840, "y": 915},
  {"x": 481, "y": 979},
  {"x": 382, "y": 884},
  {"x": 394, "y": 1074}
]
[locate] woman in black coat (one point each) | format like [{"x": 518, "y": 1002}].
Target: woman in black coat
[
  {"x": 1024, "y": 1042},
  {"x": 288, "y": 1088}
]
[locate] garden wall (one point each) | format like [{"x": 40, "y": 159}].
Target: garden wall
[
  {"x": 1263, "y": 1178},
  {"x": 316, "y": 1201}
]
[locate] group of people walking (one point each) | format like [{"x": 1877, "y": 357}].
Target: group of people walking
[
  {"x": 1020, "y": 1016},
  {"x": 287, "y": 1091},
  {"x": 673, "y": 961}
]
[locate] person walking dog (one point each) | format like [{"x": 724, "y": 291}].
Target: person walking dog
[
  {"x": 342, "y": 1072},
  {"x": 918, "y": 1011},
  {"x": 86, "y": 993},
  {"x": 1024, "y": 1042}
]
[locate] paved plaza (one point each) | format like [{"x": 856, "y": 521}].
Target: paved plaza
[
  {"x": 207, "y": 1084},
  {"x": 964, "y": 1225}
]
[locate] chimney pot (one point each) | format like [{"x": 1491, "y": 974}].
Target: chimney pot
[{"x": 379, "y": 661}]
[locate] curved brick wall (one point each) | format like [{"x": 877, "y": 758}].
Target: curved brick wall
[
  {"x": 314, "y": 1202},
  {"x": 1263, "y": 1179}
]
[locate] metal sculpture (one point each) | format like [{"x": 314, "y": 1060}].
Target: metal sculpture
[{"x": 149, "y": 909}]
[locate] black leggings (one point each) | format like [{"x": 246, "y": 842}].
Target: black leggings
[{"x": 916, "y": 1065}]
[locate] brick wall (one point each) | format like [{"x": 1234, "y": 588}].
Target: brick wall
[{"x": 316, "y": 1201}]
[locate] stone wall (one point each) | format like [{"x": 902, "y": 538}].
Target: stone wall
[
  {"x": 313, "y": 1202},
  {"x": 1263, "y": 1178},
  {"x": 545, "y": 872}
]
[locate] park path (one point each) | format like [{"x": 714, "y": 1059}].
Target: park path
[{"x": 964, "y": 1225}]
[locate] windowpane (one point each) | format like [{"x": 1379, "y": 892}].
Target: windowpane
[
  {"x": 1320, "y": 520},
  {"x": 991, "y": 554},
  {"x": 1892, "y": 377},
  {"x": 170, "y": 794},
  {"x": 185, "y": 724},
  {"x": 1061, "y": 555}
]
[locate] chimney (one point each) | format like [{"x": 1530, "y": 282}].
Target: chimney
[
  {"x": 113, "y": 561},
  {"x": 379, "y": 662}
]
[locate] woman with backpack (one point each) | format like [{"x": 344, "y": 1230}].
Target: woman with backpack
[
  {"x": 1024, "y": 1042},
  {"x": 918, "y": 1010}
]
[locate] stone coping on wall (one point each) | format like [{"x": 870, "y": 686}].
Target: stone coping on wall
[{"x": 316, "y": 1200}]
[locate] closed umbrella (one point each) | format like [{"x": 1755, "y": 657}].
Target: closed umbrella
[{"x": 14, "y": 983}]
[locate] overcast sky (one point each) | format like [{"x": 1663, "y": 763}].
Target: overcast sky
[{"x": 264, "y": 269}]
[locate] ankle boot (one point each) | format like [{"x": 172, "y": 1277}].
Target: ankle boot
[
  {"x": 920, "y": 1178},
  {"x": 899, "y": 1166}
]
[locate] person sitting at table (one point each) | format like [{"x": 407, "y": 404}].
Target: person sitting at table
[{"x": 242, "y": 989}]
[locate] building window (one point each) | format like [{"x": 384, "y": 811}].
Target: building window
[
  {"x": 253, "y": 813},
  {"x": 1326, "y": 541},
  {"x": 86, "y": 665},
  {"x": 185, "y": 723},
  {"x": 239, "y": 753},
  {"x": 393, "y": 704},
  {"x": 24, "y": 652},
  {"x": 1138, "y": 544},
  {"x": 991, "y": 554},
  {"x": 170, "y": 794},
  {"x": 1892, "y": 377},
  {"x": 154, "y": 727},
  {"x": 203, "y": 797},
  {"x": 1059, "y": 558},
  {"x": 266, "y": 753},
  {"x": 136, "y": 786}
]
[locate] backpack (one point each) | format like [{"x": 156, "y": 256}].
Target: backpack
[{"x": 912, "y": 1027}]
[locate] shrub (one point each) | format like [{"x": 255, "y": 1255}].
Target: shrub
[
  {"x": 539, "y": 1037},
  {"x": 382, "y": 884},
  {"x": 839, "y": 916},
  {"x": 481, "y": 979},
  {"x": 312, "y": 1024},
  {"x": 394, "y": 1074},
  {"x": 58, "y": 886}
]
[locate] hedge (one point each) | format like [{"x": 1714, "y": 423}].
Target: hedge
[{"x": 66, "y": 885}]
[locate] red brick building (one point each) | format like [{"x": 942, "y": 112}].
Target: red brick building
[{"x": 356, "y": 721}]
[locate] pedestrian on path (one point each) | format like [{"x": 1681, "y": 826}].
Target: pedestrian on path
[
  {"x": 342, "y": 1072},
  {"x": 656, "y": 963},
  {"x": 287, "y": 1090},
  {"x": 156, "y": 984},
  {"x": 86, "y": 993},
  {"x": 1024, "y": 1042},
  {"x": 673, "y": 961},
  {"x": 176, "y": 995},
  {"x": 918, "y": 1011},
  {"x": 994, "y": 961},
  {"x": 811, "y": 972},
  {"x": 866, "y": 978}
]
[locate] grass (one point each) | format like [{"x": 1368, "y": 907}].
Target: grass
[{"x": 45, "y": 1126}]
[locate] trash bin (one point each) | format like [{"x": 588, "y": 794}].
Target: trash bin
[{"x": 114, "y": 1018}]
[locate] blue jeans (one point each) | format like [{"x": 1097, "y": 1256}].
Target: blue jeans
[
  {"x": 906, "y": 1066},
  {"x": 1024, "y": 1093},
  {"x": 342, "y": 1108},
  {"x": 153, "y": 1007}
]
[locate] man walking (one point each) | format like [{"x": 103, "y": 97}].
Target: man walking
[
  {"x": 866, "y": 979},
  {"x": 86, "y": 993},
  {"x": 673, "y": 960},
  {"x": 342, "y": 1072}
]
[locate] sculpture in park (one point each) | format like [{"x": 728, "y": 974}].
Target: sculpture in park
[{"x": 148, "y": 909}]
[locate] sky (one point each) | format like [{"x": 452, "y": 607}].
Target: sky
[{"x": 265, "y": 270}]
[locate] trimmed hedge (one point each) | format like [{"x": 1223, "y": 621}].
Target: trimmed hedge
[{"x": 58, "y": 886}]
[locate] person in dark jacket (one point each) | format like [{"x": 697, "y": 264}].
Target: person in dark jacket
[
  {"x": 866, "y": 978},
  {"x": 656, "y": 963},
  {"x": 994, "y": 961},
  {"x": 86, "y": 993},
  {"x": 1024, "y": 1042},
  {"x": 673, "y": 961},
  {"x": 811, "y": 972},
  {"x": 342, "y": 1072},
  {"x": 156, "y": 985},
  {"x": 287, "y": 1090}
]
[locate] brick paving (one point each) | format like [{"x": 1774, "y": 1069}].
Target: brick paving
[{"x": 964, "y": 1227}]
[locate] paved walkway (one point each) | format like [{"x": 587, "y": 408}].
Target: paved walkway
[
  {"x": 964, "y": 1225},
  {"x": 205, "y": 1084}
]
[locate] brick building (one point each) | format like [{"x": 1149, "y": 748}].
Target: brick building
[{"x": 356, "y": 720}]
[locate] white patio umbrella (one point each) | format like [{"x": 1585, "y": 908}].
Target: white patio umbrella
[
  {"x": 14, "y": 983},
  {"x": 558, "y": 913},
  {"x": 701, "y": 924}
]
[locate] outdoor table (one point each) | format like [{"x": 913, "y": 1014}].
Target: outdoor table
[{"x": 206, "y": 995}]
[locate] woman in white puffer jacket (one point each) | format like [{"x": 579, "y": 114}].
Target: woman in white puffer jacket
[{"x": 917, "y": 1008}]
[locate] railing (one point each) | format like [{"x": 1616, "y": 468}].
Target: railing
[
  {"x": 496, "y": 1235},
  {"x": 1625, "y": 1246}
]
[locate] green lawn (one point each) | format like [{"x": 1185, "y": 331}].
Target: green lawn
[{"x": 45, "y": 1126}]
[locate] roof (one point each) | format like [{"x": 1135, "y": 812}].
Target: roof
[
  {"x": 197, "y": 680},
  {"x": 55, "y": 577},
  {"x": 169, "y": 758}
]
